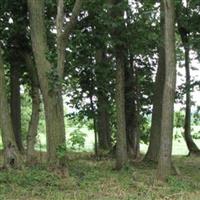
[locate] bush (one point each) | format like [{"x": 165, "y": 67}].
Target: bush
[
  {"x": 77, "y": 139},
  {"x": 178, "y": 119}
]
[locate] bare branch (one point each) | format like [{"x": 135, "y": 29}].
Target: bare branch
[
  {"x": 60, "y": 17},
  {"x": 73, "y": 19},
  {"x": 63, "y": 32}
]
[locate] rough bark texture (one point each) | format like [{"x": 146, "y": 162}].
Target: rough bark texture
[
  {"x": 15, "y": 103},
  {"x": 103, "y": 118},
  {"x": 132, "y": 125},
  {"x": 121, "y": 148},
  {"x": 164, "y": 162},
  {"x": 154, "y": 145},
  {"x": 52, "y": 97},
  {"x": 33, "y": 124},
  {"x": 12, "y": 156},
  {"x": 120, "y": 52},
  {"x": 103, "y": 123},
  {"x": 51, "y": 92}
]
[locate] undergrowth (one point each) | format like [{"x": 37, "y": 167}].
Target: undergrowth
[{"x": 90, "y": 179}]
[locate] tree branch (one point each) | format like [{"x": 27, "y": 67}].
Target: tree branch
[{"x": 63, "y": 32}]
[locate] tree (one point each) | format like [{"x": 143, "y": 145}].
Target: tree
[
  {"x": 184, "y": 31},
  {"x": 13, "y": 35},
  {"x": 154, "y": 143},
  {"x": 15, "y": 102},
  {"x": 90, "y": 72},
  {"x": 140, "y": 65},
  {"x": 131, "y": 109},
  {"x": 12, "y": 156},
  {"x": 120, "y": 54},
  {"x": 35, "y": 95},
  {"x": 164, "y": 161},
  {"x": 50, "y": 75},
  {"x": 103, "y": 117}
]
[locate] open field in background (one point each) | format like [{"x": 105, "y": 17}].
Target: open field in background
[{"x": 179, "y": 145}]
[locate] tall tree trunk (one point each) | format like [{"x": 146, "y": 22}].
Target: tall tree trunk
[
  {"x": 120, "y": 54},
  {"x": 121, "y": 148},
  {"x": 132, "y": 125},
  {"x": 15, "y": 103},
  {"x": 192, "y": 147},
  {"x": 51, "y": 92},
  {"x": 12, "y": 156},
  {"x": 154, "y": 145},
  {"x": 103, "y": 118},
  {"x": 33, "y": 124},
  {"x": 164, "y": 162},
  {"x": 53, "y": 103},
  {"x": 96, "y": 149},
  {"x": 103, "y": 123}
]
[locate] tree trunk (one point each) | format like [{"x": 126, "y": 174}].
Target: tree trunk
[
  {"x": 132, "y": 125},
  {"x": 15, "y": 103},
  {"x": 33, "y": 124},
  {"x": 103, "y": 125},
  {"x": 103, "y": 118},
  {"x": 164, "y": 162},
  {"x": 53, "y": 103},
  {"x": 50, "y": 86},
  {"x": 154, "y": 145},
  {"x": 192, "y": 147},
  {"x": 12, "y": 156},
  {"x": 96, "y": 149},
  {"x": 120, "y": 54},
  {"x": 121, "y": 148}
]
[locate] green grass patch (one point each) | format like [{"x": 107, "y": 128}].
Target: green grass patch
[{"x": 91, "y": 179}]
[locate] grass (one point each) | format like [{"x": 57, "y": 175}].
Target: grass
[
  {"x": 91, "y": 179},
  {"x": 96, "y": 180}
]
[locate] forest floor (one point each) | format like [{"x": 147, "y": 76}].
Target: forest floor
[{"x": 96, "y": 180}]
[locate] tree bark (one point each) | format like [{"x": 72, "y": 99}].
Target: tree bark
[
  {"x": 52, "y": 97},
  {"x": 120, "y": 54},
  {"x": 12, "y": 156},
  {"x": 103, "y": 123},
  {"x": 164, "y": 162},
  {"x": 192, "y": 147},
  {"x": 15, "y": 103},
  {"x": 103, "y": 118},
  {"x": 131, "y": 111},
  {"x": 63, "y": 32},
  {"x": 154, "y": 144},
  {"x": 51, "y": 92},
  {"x": 33, "y": 124},
  {"x": 96, "y": 149},
  {"x": 121, "y": 148}
]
